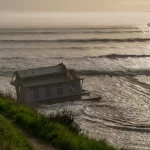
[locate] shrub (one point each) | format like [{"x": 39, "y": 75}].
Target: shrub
[
  {"x": 58, "y": 129},
  {"x": 7, "y": 95},
  {"x": 66, "y": 118}
]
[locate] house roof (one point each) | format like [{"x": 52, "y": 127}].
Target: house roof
[
  {"x": 44, "y": 76},
  {"x": 44, "y": 81},
  {"x": 58, "y": 69}
]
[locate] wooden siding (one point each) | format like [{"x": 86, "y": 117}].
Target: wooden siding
[{"x": 54, "y": 91}]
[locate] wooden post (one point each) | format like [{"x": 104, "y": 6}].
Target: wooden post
[
  {"x": 17, "y": 92},
  {"x": 81, "y": 83}
]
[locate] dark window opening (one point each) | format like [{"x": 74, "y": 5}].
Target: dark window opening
[
  {"x": 72, "y": 88},
  {"x": 48, "y": 91},
  {"x": 60, "y": 90},
  {"x": 36, "y": 93}
]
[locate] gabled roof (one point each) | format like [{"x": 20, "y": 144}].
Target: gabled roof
[
  {"x": 34, "y": 82},
  {"x": 43, "y": 76},
  {"x": 52, "y": 70}
]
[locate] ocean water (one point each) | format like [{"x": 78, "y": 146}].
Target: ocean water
[{"x": 114, "y": 62}]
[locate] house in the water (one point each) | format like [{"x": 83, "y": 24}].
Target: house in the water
[{"x": 47, "y": 83}]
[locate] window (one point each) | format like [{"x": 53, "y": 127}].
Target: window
[
  {"x": 48, "y": 91},
  {"x": 60, "y": 90},
  {"x": 36, "y": 93},
  {"x": 72, "y": 88}
]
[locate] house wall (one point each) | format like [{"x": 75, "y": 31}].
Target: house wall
[
  {"x": 22, "y": 95},
  {"x": 31, "y": 92}
]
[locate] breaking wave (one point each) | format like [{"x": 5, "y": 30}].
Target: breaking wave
[
  {"x": 114, "y": 56},
  {"x": 82, "y": 40},
  {"x": 71, "y": 32},
  {"x": 131, "y": 73},
  {"x": 110, "y": 56},
  {"x": 50, "y": 48}
]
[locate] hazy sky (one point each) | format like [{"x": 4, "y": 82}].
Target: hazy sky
[
  {"x": 75, "y": 5},
  {"x": 52, "y": 13},
  {"x": 73, "y": 19}
]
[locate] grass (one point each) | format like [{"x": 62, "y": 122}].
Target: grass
[
  {"x": 11, "y": 138},
  {"x": 59, "y": 130},
  {"x": 65, "y": 118}
]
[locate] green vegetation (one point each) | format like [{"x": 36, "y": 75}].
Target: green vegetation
[
  {"x": 65, "y": 118},
  {"x": 11, "y": 138},
  {"x": 59, "y": 130}
]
